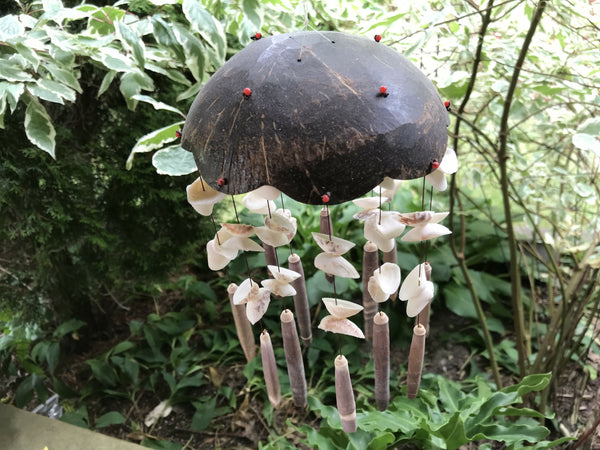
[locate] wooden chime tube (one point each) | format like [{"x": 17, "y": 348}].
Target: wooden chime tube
[
  {"x": 391, "y": 257},
  {"x": 293, "y": 358},
  {"x": 301, "y": 300},
  {"x": 270, "y": 369},
  {"x": 344, "y": 395},
  {"x": 326, "y": 227},
  {"x": 270, "y": 255},
  {"x": 242, "y": 325},
  {"x": 370, "y": 264},
  {"x": 415, "y": 361},
  {"x": 381, "y": 359}
]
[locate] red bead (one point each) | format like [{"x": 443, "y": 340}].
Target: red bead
[
  {"x": 382, "y": 89},
  {"x": 447, "y": 103},
  {"x": 257, "y": 36},
  {"x": 177, "y": 133},
  {"x": 247, "y": 92},
  {"x": 325, "y": 198},
  {"x": 377, "y": 38},
  {"x": 435, "y": 164},
  {"x": 221, "y": 182}
]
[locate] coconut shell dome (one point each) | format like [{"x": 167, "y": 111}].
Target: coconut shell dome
[{"x": 315, "y": 113}]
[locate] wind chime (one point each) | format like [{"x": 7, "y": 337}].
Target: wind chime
[{"x": 325, "y": 118}]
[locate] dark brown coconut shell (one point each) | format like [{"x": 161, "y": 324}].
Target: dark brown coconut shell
[{"x": 315, "y": 122}]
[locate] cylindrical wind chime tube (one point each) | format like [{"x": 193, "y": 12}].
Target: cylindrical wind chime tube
[
  {"x": 293, "y": 358},
  {"x": 326, "y": 227},
  {"x": 415, "y": 361},
  {"x": 370, "y": 264},
  {"x": 381, "y": 359},
  {"x": 391, "y": 257},
  {"x": 270, "y": 254},
  {"x": 423, "y": 317},
  {"x": 242, "y": 325},
  {"x": 270, "y": 369},
  {"x": 344, "y": 395},
  {"x": 301, "y": 300}
]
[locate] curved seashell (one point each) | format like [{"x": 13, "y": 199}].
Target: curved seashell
[
  {"x": 437, "y": 179},
  {"x": 247, "y": 291},
  {"x": 413, "y": 282},
  {"x": 283, "y": 274},
  {"x": 270, "y": 237},
  {"x": 242, "y": 243},
  {"x": 341, "y": 309},
  {"x": 438, "y": 217},
  {"x": 257, "y": 308},
  {"x": 416, "y": 304},
  {"x": 278, "y": 221},
  {"x": 332, "y": 246},
  {"x": 391, "y": 226},
  {"x": 258, "y": 204},
  {"x": 416, "y": 218},
  {"x": 238, "y": 229},
  {"x": 341, "y": 326},
  {"x": 216, "y": 259},
  {"x": 267, "y": 192},
  {"x": 335, "y": 265},
  {"x": 389, "y": 187},
  {"x": 202, "y": 197},
  {"x": 377, "y": 294},
  {"x": 278, "y": 287},
  {"x": 388, "y": 277},
  {"x": 449, "y": 163},
  {"x": 365, "y": 214},
  {"x": 425, "y": 232},
  {"x": 372, "y": 233},
  {"x": 370, "y": 202}
]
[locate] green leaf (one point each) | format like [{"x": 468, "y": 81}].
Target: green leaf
[
  {"x": 64, "y": 76},
  {"x": 453, "y": 432},
  {"x": 78, "y": 418},
  {"x": 106, "y": 82},
  {"x": 151, "y": 141},
  {"x": 103, "y": 372},
  {"x": 205, "y": 413},
  {"x": 26, "y": 390},
  {"x": 53, "y": 356},
  {"x": 174, "y": 161},
  {"x": 29, "y": 54},
  {"x": 253, "y": 12},
  {"x": 39, "y": 128},
  {"x": 122, "y": 347},
  {"x": 102, "y": 21},
  {"x": 512, "y": 433},
  {"x": 113, "y": 60},
  {"x": 45, "y": 94},
  {"x": 193, "y": 50},
  {"x": 381, "y": 441},
  {"x": 132, "y": 42},
  {"x": 110, "y": 418},
  {"x": 12, "y": 92},
  {"x": 132, "y": 84},
  {"x": 458, "y": 300},
  {"x": 10, "y": 71},
  {"x": 9, "y": 27},
  {"x": 68, "y": 327},
  {"x": 158, "y": 105},
  {"x": 209, "y": 27},
  {"x": 584, "y": 141},
  {"x": 521, "y": 412}
]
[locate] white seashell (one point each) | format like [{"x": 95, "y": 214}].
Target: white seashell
[
  {"x": 375, "y": 290},
  {"x": 417, "y": 303},
  {"x": 412, "y": 283},
  {"x": 389, "y": 187},
  {"x": 391, "y": 225},
  {"x": 334, "y": 246},
  {"x": 278, "y": 221},
  {"x": 449, "y": 163},
  {"x": 283, "y": 274},
  {"x": 257, "y": 204},
  {"x": 256, "y": 308},
  {"x": 416, "y": 218},
  {"x": 202, "y": 197},
  {"x": 438, "y": 217},
  {"x": 341, "y": 326},
  {"x": 216, "y": 259},
  {"x": 425, "y": 232},
  {"x": 267, "y": 192},
  {"x": 248, "y": 290},
  {"x": 366, "y": 213},
  {"x": 370, "y": 202},
  {"x": 279, "y": 287},
  {"x": 437, "y": 179},
  {"x": 242, "y": 243},
  {"x": 335, "y": 265},
  {"x": 388, "y": 277},
  {"x": 270, "y": 237},
  {"x": 372, "y": 233},
  {"x": 238, "y": 229},
  {"x": 341, "y": 309}
]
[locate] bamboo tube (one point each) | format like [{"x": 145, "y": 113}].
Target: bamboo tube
[
  {"x": 423, "y": 316},
  {"x": 293, "y": 358},
  {"x": 344, "y": 395},
  {"x": 370, "y": 264},
  {"x": 415, "y": 361},
  {"x": 270, "y": 256},
  {"x": 381, "y": 359},
  {"x": 270, "y": 369},
  {"x": 391, "y": 257},
  {"x": 301, "y": 299},
  {"x": 242, "y": 325},
  {"x": 326, "y": 227}
]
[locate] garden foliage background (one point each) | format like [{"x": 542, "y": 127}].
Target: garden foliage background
[{"x": 105, "y": 296}]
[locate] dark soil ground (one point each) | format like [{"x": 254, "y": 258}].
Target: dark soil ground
[{"x": 577, "y": 402}]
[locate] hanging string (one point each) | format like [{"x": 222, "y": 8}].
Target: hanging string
[{"x": 237, "y": 218}]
